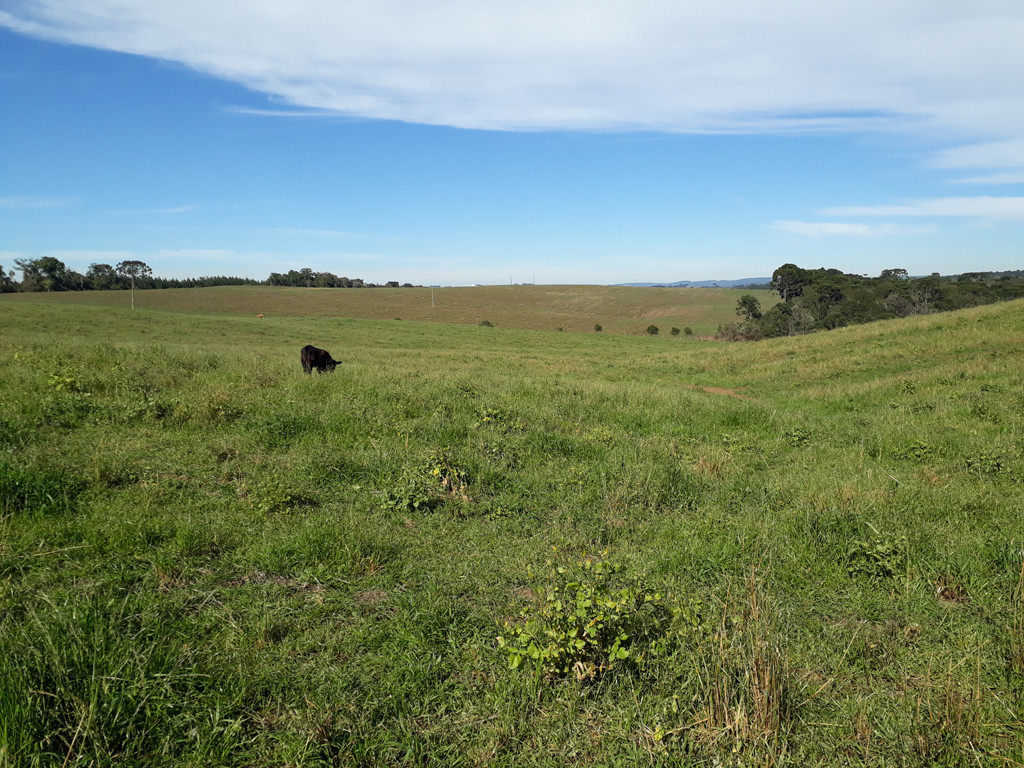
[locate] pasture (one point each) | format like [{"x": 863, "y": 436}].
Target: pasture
[
  {"x": 571, "y": 308},
  {"x": 506, "y": 545}
]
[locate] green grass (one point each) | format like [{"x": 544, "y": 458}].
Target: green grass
[
  {"x": 571, "y": 308},
  {"x": 207, "y": 558}
]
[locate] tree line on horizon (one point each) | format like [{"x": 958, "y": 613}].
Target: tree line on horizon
[
  {"x": 821, "y": 299},
  {"x": 49, "y": 273}
]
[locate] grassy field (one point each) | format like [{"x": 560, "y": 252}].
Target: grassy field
[
  {"x": 512, "y": 547},
  {"x": 572, "y": 308}
]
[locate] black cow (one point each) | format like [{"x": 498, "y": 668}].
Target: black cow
[{"x": 317, "y": 358}]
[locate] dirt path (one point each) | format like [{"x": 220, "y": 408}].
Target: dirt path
[{"x": 720, "y": 391}]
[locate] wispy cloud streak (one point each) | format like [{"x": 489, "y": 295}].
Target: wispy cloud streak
[
  {"x": 846, "y": 229},
  {"x": 735, "y": 66},
  {"x": 982, "y": 207}
]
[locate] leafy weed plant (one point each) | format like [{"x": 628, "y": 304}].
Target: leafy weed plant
[{"x": 591, "y": 620}]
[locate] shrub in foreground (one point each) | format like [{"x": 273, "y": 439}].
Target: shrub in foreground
[{"x": 590, "y": 619}]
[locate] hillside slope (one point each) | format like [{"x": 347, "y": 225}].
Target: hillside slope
[{"x": 494, "y": 546}]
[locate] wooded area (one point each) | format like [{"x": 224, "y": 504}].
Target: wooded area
[{"x": 819, "y": 299}]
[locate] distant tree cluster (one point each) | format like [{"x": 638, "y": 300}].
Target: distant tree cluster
[
  {"x": 818, "y": 299},
  {"x": 307, "y": 278},
  {"x": 51, "y": 274}
]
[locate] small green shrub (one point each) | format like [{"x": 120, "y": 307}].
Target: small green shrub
[
  {"x": 452, "y": 478},
  {"x": 985, "y": 464},
  {"x": 411, "y": 495},
  {"x": 69, "y": 403},
  {"x": 498, "y": 419},
  {"x": 674, "y": 331},
  {"x": 593, "y": 619},
  {"x": 877, "y": 558},
  {"x": 652, "y": 330},
  {"x": 426, "y": 487},
  {"x": 797, "y": 436},
  {"x": 271, "y": 495},
  {"x": 915, "y": 451}
]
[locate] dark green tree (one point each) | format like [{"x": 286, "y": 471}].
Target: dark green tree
[
  {"x": 894, "y": 274},
  {"x": 748, "y": 307},
  {"x": 101, "y": 277},
  {"x": 789, "y": 280},
  {"x": 7, "y": 284},
  {"x": 42, "y": 274}
]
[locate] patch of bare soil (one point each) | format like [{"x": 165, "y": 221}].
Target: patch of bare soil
[
  {"x": 721, "y": 391},
  {"x": 259, "y": 577}
]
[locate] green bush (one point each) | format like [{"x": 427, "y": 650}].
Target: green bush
[
  {"x": 877, "y": 558},
  {"x": 593, "y": 619}
]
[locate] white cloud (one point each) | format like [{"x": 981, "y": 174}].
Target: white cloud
[
  {"x": 982, "y": 207},
  {"x": 846, "y": 229},
  {"x": 991, "y": 154},
  {"x": 280, "y": 112},
  {"x": 731, "y": 66},
  {"x": 1006, "y": 177},
  {"x": 1005, "y": 158}
]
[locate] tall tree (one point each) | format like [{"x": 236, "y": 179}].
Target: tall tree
[
  {"x": 789, "y": 280},
  {"x": 132, "y": 270}
]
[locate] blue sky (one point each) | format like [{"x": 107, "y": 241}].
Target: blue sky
[{"x": 462, "y": 142}]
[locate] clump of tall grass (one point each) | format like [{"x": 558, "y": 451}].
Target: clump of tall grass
[
  {"x": 746, "y": 689},
  {"x": 97, "y": 680},
  {"x": 38, "y": 491}
]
